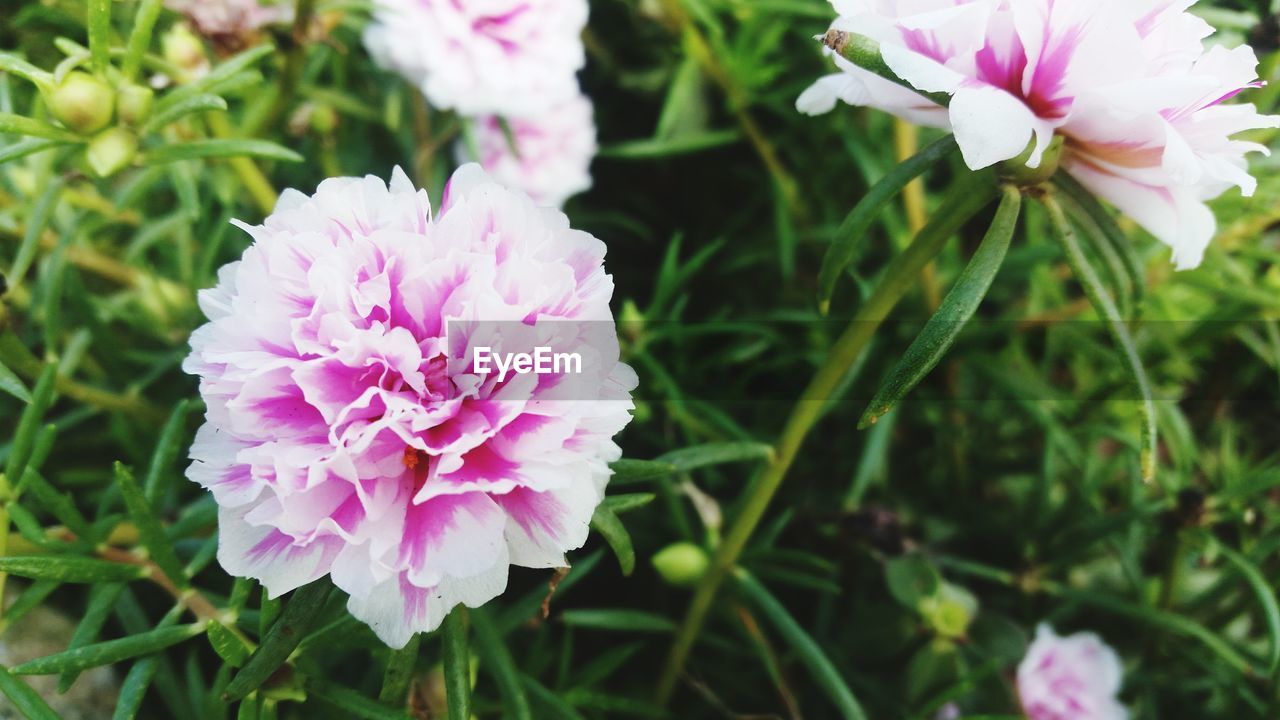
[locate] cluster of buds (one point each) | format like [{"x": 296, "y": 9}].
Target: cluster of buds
[{"x": 110, "y": 109}]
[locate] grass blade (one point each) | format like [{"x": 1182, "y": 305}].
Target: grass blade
[
  {"x": 300, "y": 614},
  {"x": 1266, "y": 598},
  {"x": 25, "y": 70},
  {"x": 692, "y": 458},
  {"x": 497, "y": 659},
  {"x": 19, "y": 125},
  {"x": 102, "y": 599},
  {"x": 859, "y": 221},
  {"x": 134, "y": 688},
  {"x": 176, "y": 111},
  {"x": 353, "y": 704},
  {"x": 606, "y": 522},
  {"x": 149, "y": 530},
  {"x": 12, "y": 384},
  {"x": 112, "y": 651},
  {"x": 824, "y": 673},
  {"x": 953, "y": 315},
  {"x": 168, "y": 447},
  {"x": 144, "y": 22},
  {"x": 27, "y": 147},
  {"x": 27, "y": 701},
  {"x": 221, "y": 149},
  {"x": 70, "y": 569},
  {"x": 457, "y": 664},
  {"x": 1107, "y": 309}
]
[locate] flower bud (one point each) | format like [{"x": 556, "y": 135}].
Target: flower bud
[
  {"x": 1018, "y": 172},
  {"x": 950, "y": 611},
  {"x": 82, "y": 102},
  {"x": 134, "y": 104},
  {"x": 324, "y": 119},
  {"x": 184, "y": 50},
  {"x": 112, "y": 151},
  {"x": 681, "y": 564}
]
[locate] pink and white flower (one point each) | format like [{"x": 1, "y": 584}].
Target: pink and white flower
[
  {"x": 1070, "y": 678},
  {"x": 501, "y": 57},
  {"x": 547, "y": 156},
  {"x": 1130, "y": 85},
  {"x": 220, "y": 18},
  {"x": 348, "y": 432}
]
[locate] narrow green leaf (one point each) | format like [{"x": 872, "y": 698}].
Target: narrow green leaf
[
  {"x": 1266, "y": 598},
  {"x": 69, "y": 569},
  {"x": 859, "y": 221},
  {"x": 824, "y": 673},
  {"x": 352, "y": 704},
  {"x": 144, "y": 22},
  {"x": 457, "y": 664},
  {"x": 102, "y": 599},
  {"x": 630, "y": 471},
  {"x": 1171, "y": 622},
  {"x": 229, "y": 646},
  {"x": 399, "y": 672},
  {"x": 27, "y": 147},
  {"x": 651, "y": 148},
  {"x": 625, "y": 503},
  {"x": 1107, "y": 309},
  {"x": 26, "y": 700},
  {"x": 58, "y": 504},
  {"x": 215, "y": 77},
  {"x": 497, "y": 660},
  {"x": 551, "y": 705},
  {"x": 13, "y": 385},
  {"x": 134, "y": 688},
  {"x": 111, "y": 651},
  {"x": 167, "y": 450},
  {"x": 957, "y": 309},
  {"x": 221, "y": 149},
  {"x": 100, "y": 33},
  {"x": 1111, "y": 232},
  {"x": 28, "y": 600},
  {"x": 605, "y": 522},
  {"x": 20, "y": 125},
  {"x": 149, "y": 530},
  {"x": 300, "y": 614},
  {"x": 188, "y": 106},
  {"x": 621, "y": 620},
  {"x": 13, "y": 64},
  {"x": 37, "y": 223},
  {"x": 692, "y": 458}
]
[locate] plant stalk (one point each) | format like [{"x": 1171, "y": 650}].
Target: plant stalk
[{"x": 965, "y": 201}]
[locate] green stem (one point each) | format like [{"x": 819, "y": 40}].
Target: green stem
[
  {"x": 963, "y": 203},
  {"x": 1106, "y": 308},
  {"x": 457, "y": 664}
]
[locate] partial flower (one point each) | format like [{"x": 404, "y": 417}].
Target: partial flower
[
  {"x": 1070, "y": 678},
  {"x": 501, "y": 57},
  {"x": 1131, "y": 86},
  {"x": 231, "y": 18},
  {"x": 350, "y": 430},
  {"x": 547, "y": 155}
]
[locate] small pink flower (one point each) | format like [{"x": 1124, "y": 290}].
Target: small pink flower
[
  {"x": 349, "y": 430},
  {"x": 478, "y": 57},
  {"x": 1130, "y": 85},
  {"x": 547, "y": 156},
  {"x": 217, "y": 18},
  {"x": 1071, "y": 678}
]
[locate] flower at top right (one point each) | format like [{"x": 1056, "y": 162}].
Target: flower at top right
[{"x": 1130, "y": 85}]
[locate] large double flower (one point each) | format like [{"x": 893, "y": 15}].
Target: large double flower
[
  {"x": 350, "y": 431},
  {"x": 1129, "y": 84}
]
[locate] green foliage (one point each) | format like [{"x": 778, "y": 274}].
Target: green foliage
[{"x": 1028, "y": 354}]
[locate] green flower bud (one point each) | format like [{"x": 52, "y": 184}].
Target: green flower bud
[
  {"x": 631, "y": 321},
  {"x": 183, "y": 49},
  {"x": 82, "y": 102},
  {"x": 950, "y": 611},
  {"x": 134, "y": 104},
  {"x": 1017, "y": 172},
  {"x": 112, "y": 151},
  {"x": 681, "y": 564},
  {"x": 324, "y": 119}
]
